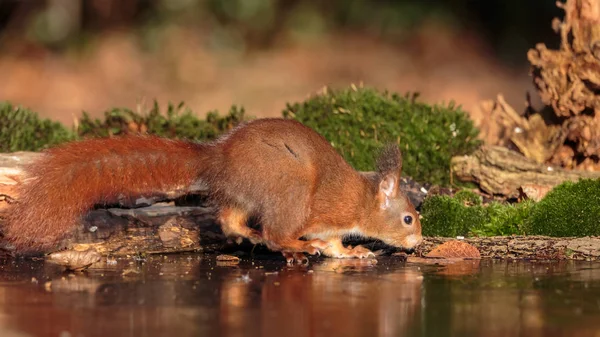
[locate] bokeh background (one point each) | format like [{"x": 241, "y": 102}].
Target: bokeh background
[{"x": 60, "y": 57}]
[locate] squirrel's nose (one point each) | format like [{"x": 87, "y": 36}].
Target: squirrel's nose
[{"x": 412, "y": 241}]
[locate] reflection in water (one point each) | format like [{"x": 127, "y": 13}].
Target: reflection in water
[
  {"x": 326, "y": 300},
  {"x": 192, "y": 295}
]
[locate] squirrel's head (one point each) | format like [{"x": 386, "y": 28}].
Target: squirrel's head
[{"x": 395, "y": 220}]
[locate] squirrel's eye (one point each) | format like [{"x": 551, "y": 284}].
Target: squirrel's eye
[{"x": 408, "y": 219}]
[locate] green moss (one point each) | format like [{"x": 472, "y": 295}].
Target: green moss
[
  {"x": 569, "y": 209},
  {"x": 178, "y": 122},
  {"x": 359, "y": 121},
  {"x": 468, "y": 197},
  {"x": 447, "y": 216},
  {"x": 23, "y": 130},
  {"x": 452, "y": 216},
  {"x": 504, "y": 219}
]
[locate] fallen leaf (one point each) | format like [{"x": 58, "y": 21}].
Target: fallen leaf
[{"x": 455, "y": 249}]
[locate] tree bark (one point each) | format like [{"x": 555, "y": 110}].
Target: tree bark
[{"x": 499, "y": 171}]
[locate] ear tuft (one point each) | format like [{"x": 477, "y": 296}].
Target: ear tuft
[
  {"x": 389, "y": 167},
  {"x": 390, "y": 161}
]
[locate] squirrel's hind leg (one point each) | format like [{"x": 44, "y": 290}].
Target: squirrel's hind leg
[
  {"x": 293, "y": 250},
  {"x": 234, "y": 225},
  {"x": 337, "y": 250}
]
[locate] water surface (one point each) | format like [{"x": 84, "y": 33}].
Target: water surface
[{"x": 194, "y": 295}]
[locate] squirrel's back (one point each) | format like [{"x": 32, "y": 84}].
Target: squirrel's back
[{"x": 286, "y": 173}]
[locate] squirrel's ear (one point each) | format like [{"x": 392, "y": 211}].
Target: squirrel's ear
[
  {"x": 388, "y": 189},
  {"x": 389, "y": 167}
]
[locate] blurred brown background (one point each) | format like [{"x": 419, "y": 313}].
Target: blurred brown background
[{"x": 60, "y": 57}]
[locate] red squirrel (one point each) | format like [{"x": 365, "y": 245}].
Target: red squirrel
[{"x": 305, "y": 196}]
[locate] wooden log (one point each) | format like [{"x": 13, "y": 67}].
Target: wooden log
[
  {"x": 526, "y": 247},
  {"x": 500, "y": 171},
  {"x": 172, "y": 227},
  {"x": 159, "y": 228},
  {"x": 163, "y": 228},
  {"x": 167, "y": 229}
]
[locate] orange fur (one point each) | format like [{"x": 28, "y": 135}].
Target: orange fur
[{"x": 278, "y": 171}]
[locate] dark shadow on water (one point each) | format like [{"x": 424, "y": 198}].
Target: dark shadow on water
[{"x": 194, "y": 295}]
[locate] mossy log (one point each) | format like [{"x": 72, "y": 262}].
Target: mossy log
[
  {"x": 173, "y": 226},
  {"x": 167, "y": 229},
  {"x": 500, "y": 171},
  {"x": 174, "y": 229}
]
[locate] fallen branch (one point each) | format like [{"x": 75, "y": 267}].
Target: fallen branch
[
  {"x": 168, "y": 229},
  {"x": 499, "y": 171},
  {"x": 160, "y": 228}
]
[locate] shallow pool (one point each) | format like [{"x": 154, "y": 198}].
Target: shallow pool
[{"x": 194, "y": 295}]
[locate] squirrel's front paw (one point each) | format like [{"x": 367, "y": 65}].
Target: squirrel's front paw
[
  {"x": 361, "y": 252},
  {"x": 292, "y": 257},
  {"x": 358, "y": 252}
]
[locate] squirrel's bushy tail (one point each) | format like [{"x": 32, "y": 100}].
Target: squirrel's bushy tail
[{"x": 70, "y": 179}]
